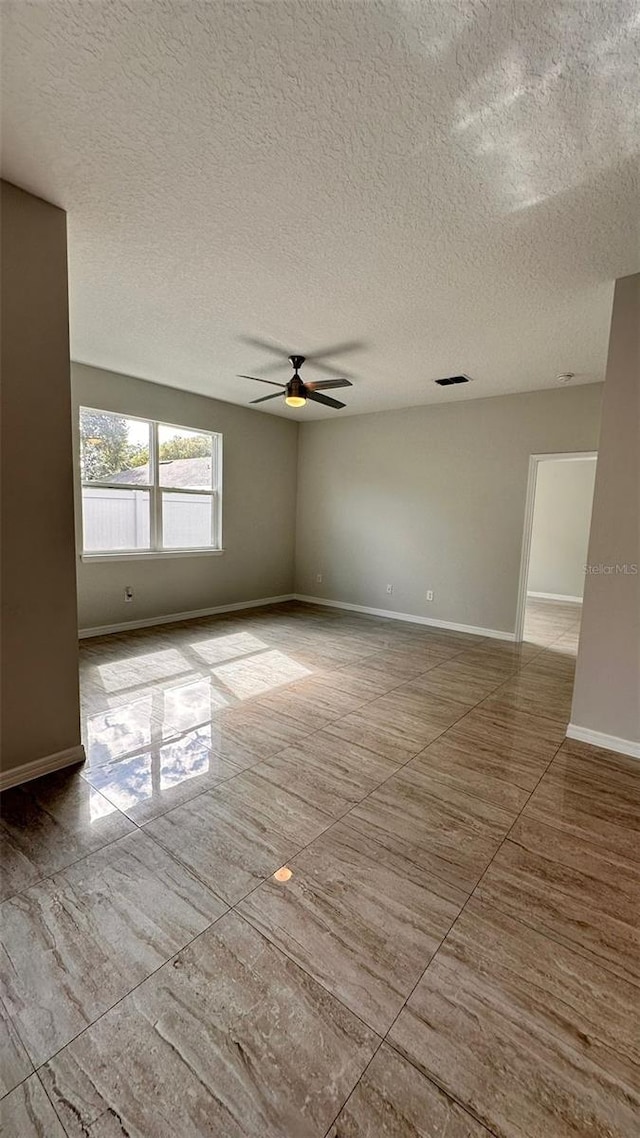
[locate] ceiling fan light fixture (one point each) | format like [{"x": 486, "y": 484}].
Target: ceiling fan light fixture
[{"x": 296, "y": 393}]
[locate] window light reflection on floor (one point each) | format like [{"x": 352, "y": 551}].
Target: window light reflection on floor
[
  {"x": 147, "y": 668},
  {"x": 141, "y": 777},
  {"x": 99, "y": 806},
  {"x": 260, "y": 673},
  {"x": 218, "y": 649}
]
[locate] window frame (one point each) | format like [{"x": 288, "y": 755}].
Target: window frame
[{"x": 156, "y": 491}]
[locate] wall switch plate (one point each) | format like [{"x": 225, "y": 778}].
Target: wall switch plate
[
  {"x": 389, "y": 588},
  {"x": 318, "y": 578},
  {"x": 429, "y": 594}
]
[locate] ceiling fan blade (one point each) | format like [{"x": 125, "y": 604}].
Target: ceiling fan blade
[
  {"x": 326, "y": 384},
  {"x": 314, "y": 358},
  {"x": 317, "y": 398},
  {"x": 263, "y": 399},
  {"x": 259, "y": 380}
]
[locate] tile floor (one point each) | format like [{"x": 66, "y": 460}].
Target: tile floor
[{"x": 324, "y": 875}]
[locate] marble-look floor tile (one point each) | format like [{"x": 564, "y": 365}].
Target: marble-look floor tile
[
  {"x": 399, "y": 724},
  {"x": 256, "y": 675},
  {"x": 149, "y": 784},
  {"x": 206, "y": 648},
  {"x": 256, "y": 729},
  {"x": 360, "y": 919},
  {"x": 380, "y": 673},
  {"x": 310, "y": 704},
  {"x": 440, "y": 639},
  {"x": 160, "y": 659},
  {"x": 594, "y": 795},
  {"x": 505, "y": 782},
  {"x": 194, "y": 701},
  {"x": 568, "y": 643},
  {"x": 531, "y": 1038},
  {"x": 344, "y": 648},
  {"x": 239, "y": 833},
  {"x": 465, "y": 683},
  {"x": 415, "y": 658},
  {"x": 509, "y": 737},
  {"x": 450, "y": 834},
  {"x": 28, "y": 1113},
  {"x": 579, "y": 893},
  {"x": 546, "y": 696},
  {"x": 389, "y": 736},
  {"x": 357, "y": 682},
  {"x": 392, "y": 1099},
  {"x": 327, "y": 772},
  {"x": 427, "y": 713},
  {"x": 243, "y": 1044},
  {"x": 550, "y": 664},
  {"x": 502, "y": 657},
  {"x": 15, "y": 1064},
  {"x": 125, "y": 729},
  {"x": 320, "y": 652},
  {"x": 76, "y": 942},
  {"x": 51, "y": 822},
  {"x": 543, "y": 627},
  {"x": 619, "y": 768}
]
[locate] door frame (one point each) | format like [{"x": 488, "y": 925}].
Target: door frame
[{"x": 534, "y": 463}]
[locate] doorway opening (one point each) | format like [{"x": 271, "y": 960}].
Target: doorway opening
[{"x": 555, "y": 542}]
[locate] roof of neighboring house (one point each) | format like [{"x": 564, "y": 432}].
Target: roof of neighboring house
[{"x": 185, "y": 473}]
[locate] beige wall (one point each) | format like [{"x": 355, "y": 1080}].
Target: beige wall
[
  {"x": 607, "y": 689},
  {"x": 258, "y": 508},
  {"x": 430, "y": 498},
  {"x": 40, "y": 714},
  {"x": 560, "y": 530}
]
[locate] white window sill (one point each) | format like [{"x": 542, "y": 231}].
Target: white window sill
[{"x": 148, "y": 554}]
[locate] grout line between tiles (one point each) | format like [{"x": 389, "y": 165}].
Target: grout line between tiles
[
  {"x": 386, "y": 1038},
  {"x": 332, "y": 821},
  {"x": 38, "y": 1076},
  {"x": 126, "y": 995},
  {"x": 261, "y": 759},
  {"x": 465, "y": 710},
  {"x": 541, "y": 932},
  {"x": 383, "y": 1041},
  {"x": 15, "y": 1027},
  {"x": 160, "y": 743}
]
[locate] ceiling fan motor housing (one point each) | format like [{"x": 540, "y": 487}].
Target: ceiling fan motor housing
[{"x": 295, "y": 387}]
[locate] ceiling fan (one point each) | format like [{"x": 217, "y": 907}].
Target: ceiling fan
[{"x": 296, "y": 392}]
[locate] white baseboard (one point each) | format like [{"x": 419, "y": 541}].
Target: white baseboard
[
  {"x": 171, "y": 618},
  {"x": 607, "y": 742},
  {"x": 38, "y": 767},
  {"x": 495, "y": 633},
  {"x": 556, "y": 597}
]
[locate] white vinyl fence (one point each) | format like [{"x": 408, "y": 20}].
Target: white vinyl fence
[
  {"x": 119, "y": 519},
  {"x": 187, "y": 520},
  {"x": 115, "y": 519}
]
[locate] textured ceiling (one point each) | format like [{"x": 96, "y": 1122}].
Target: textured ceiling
[{"x": 452, "y": 186}]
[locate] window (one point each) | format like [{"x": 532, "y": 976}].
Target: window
[{"x": 148, "y": 487}]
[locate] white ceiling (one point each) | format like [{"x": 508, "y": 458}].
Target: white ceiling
[{"x": 451, "y": 185}]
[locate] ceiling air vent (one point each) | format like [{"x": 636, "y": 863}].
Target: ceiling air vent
[{"x": 451, "y": 379}]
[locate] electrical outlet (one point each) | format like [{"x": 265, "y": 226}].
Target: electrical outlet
[
  {"x": 128, "y": 593},
  {"x": 318, "y": 578},
  {"x": 429, "y": 594},
  {"x": 389, "y": 589}
]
